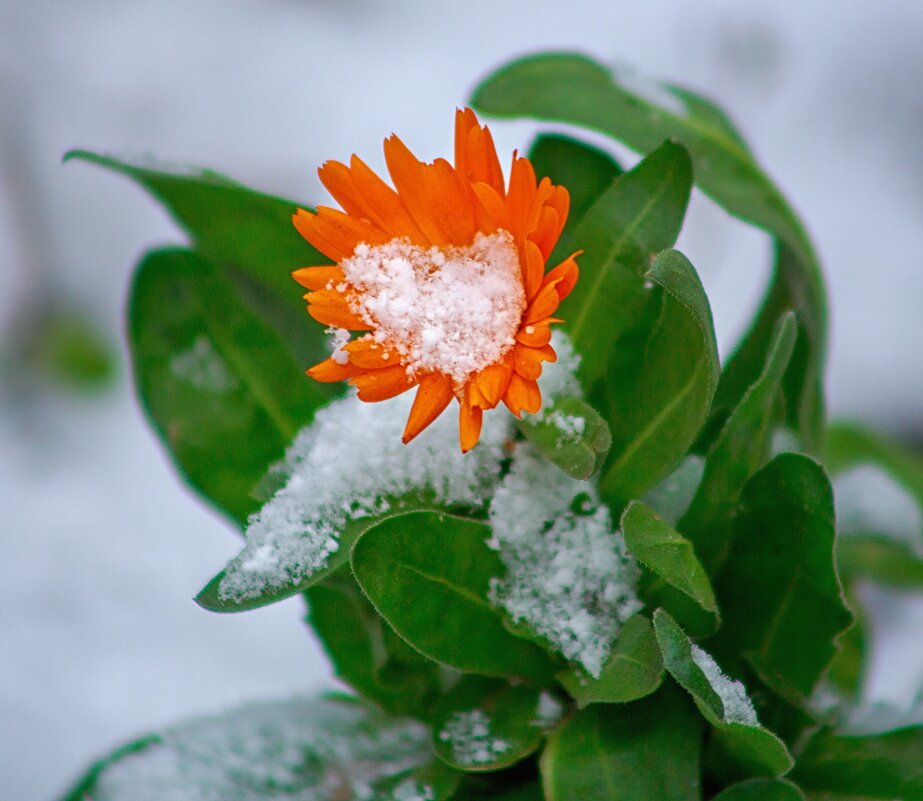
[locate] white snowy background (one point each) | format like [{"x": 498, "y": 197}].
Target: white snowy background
[{"x": 102, "y": 549}]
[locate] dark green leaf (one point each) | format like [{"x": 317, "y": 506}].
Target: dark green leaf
[
  {"x": 582, "y": 169},
  {"x": 219, "y": 387},
  {"x": 640, "y": 215},
  {"x": 247, "y": 235},
  {"x": 655, "y": 544},
  {"x": 646, "y": 750},
  {"x": 761, "y": 790},
  {"x": 634, "y": 670},
  {"x": 429, "y": 575},
  {"x": 488, "y": 724},
  {"x": 365, "y": 651},
  {"x": 571, "y": 88},
  {"x": 779, "y": 592},
  {"x": 570, "y": 433},
  {"x": 848, "y": 668},
  {"x": 662, "y": 382},
  {"x": 885, "y": 767},
  {"x": 752, "y": 749},
  {"x": 741, "y": 448}
]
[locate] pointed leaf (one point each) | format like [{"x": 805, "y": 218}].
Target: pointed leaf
[{"x": 761, "y": 790}]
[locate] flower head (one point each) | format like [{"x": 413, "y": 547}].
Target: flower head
[{"x": 443, "y": 275}]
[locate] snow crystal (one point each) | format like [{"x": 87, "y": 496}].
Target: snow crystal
[
  {"x": 203, "y": 367},
  {"x": 570, "y": 427},
  {"x": 339, "y": 336},
  {"x": 468, "y": 734},
  {"x": 349, "y": 464},
  {"x": 569, "y": 576},
  {"x": 733, "y": 695},
  {"x": 452, "y": 310},
  {"x": 412, "y": 790},
  {"x": 870, "y": 501},
  {"x": 296, "y": 750},
  {"x": 549, "y": 710}
]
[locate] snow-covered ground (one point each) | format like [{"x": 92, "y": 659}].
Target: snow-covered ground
[{"x": 102, "y": 549}]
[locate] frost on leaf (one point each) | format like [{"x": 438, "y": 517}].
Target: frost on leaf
[
  {"x": 737, "y": 706},
  {"x": 309, "y": 750}
]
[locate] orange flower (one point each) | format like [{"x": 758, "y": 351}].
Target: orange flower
[{"x": 445, "y": 274}]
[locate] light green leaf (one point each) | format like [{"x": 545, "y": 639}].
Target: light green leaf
[
  {"x": 218, "y": 385},
  {"x": 486, "y": 724},
  {"x": 634, "y": 670},
  {"x": 662, "y": 382},
  {"x": 655, "y": 544},
  {"x": 429, "y": 575},
  {"x": 571, "y": 88},
  {"x": 646, "y": 750},
  {"x": 741, "y": 448},
  {"x": 761, "y": 790},
  {"x": 779, "y": 592},
  {"x": 751, "y": 749},
  {"x": 570, "y": 433}
]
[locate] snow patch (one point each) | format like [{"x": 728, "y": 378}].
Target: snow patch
[
  {"x": 203, "y": 367},
  {"x": 468, "y": 734},
  {"x": 737, "y": 706}
]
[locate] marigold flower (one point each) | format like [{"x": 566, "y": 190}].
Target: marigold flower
[{"x": 444, "y": 274}]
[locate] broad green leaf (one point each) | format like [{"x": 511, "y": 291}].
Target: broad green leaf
[
  {"x": 486, "y": 724},
  {"x": 753, "y": 750},
  {"x": 365, "y": 651},
  {"x": 646, "y": 750},
  {"x": 638, "y": 216},
  {"x": 634, "y": 670},
  {"x": 884, "y": 767},
  {"x": 657, "y": 545},
  {"x": 571, "y": 88},
  {"x": 741, "y": 448},
  {"x": 296, "y": 749},
  {"x": 761, "y": 790},
  {"x": 848, "y": 669},
  {"x": 779, "y": 592},
  {"x": 662, "y": 382},
  {"x": 582, "y": 169},
  {"x": 247, "y": 235},
  {"x": 219, "y": 387},
  {"x": 570, "y": 433},
  {"x": 429, "y": 575}
]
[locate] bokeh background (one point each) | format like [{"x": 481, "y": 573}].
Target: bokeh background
[{"x": 102, "y": 548}]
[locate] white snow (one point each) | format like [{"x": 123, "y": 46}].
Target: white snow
[
  {"x": 339, "y": 337},
  {"x": 548, "y": 711},
  {"x": 453, "y": 310},
  {"x": 468, "y": 733},
  {"x": 349, "y": 464},
  {"x": 870, "y": 500},
  {"x": 737, "y": 706},
  {"x": 569, "y": 576},
  {"x": 412, "y": 790},
  {"x": 203, "y": 367},
  {"x": 299, "y": 749}
]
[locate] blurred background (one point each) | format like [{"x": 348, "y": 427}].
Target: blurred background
[{"x": 102, "y": 548}]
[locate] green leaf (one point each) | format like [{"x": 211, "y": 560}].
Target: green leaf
[
  {"x": 429, "y": 575},
  {"x": 779, "y": 593},
  {"x": 672, "y": 496},
  {"x": 741, "y": 448},
  {"x": 638, "y": 216},
  {"x": 219, "y": 387},
  {"x": 247, "y": 235},
  {"x": 655, "y": 544},
  {"x": 488, "y": 724},
  {"x": 883, "y": 767},
  {"x": 752, "y": 749},
  {"x": 634, "y": 670},
  {"x": 293, "y": 749},
  {"x": 582, "y": 169},
  {"x": 365, "y": 651},
  {"x": 571, "y": 88},
  {"x": 570, "y": 433},
  {"x": 649, "y": 749},
  {"x": 761, "y": 790},
  {"x": 662, "y": 382},
  {"x": 884, "y": 561}
]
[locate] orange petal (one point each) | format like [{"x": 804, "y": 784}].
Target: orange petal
[
  {"x": 370, "y": 355},
  {"x": 535, "y": 335},
  {"x": 330, "y": 307},
  {"x": 533, "y": 269},
  {"x": 469, "y": 425},
  {"x": 339, "y": 182},
  {"x": 522, "y": 396},
  {"x": 475, "y": 153},
  {"x": 447, "y": 202},
  {"x": 390, "y": 211},
  {"x": 433, "y": 396},
  {"x": 544, "y": 303},
  {"x": 520, "y": 197},
  {"x": 379, "y": 385},
  {"x": 407, "y": 173},
  {"x": 334, "y": 233},
  {"x": 547, "y": 231},
  {"x": 492, "y": 382},
  {"x": 328, "y": 370},
  {"x": 528, "y": 361},
  {"x": 492, "y": 204},
  {"x": 564, "y": 276},
  {"x": 318, "y": 277}
]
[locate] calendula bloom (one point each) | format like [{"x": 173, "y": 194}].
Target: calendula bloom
[{"x": 444, "y": 275}]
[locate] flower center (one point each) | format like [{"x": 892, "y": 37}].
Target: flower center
[{"x": 453, "y": 310}]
